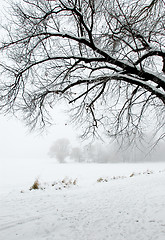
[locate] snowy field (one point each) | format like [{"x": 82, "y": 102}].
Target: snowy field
[{"x": 107, "y": 201}]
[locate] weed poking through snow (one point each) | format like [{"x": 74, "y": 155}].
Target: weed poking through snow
[
  {"x": 36, "y": 185},
  {"x": 59, "y": 185},
  {"x": 133, "y": 174}
]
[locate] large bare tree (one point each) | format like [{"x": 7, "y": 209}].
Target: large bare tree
[
  {"x": 105, "y": 58},
  {"x": 60, "y": 149}
]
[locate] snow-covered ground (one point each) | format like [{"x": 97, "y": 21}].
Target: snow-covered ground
[{"x": 128, "y": 202}]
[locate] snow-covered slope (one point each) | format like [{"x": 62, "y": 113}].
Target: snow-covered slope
[{"x": 129, "y": 208}]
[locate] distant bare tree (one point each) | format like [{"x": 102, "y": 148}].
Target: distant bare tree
[
  {"x": 99, "y": 153},
  {"x": 60, "y": 149},
  {"x": 105, "y": 58},
  {"x": 76, "y": 154}
]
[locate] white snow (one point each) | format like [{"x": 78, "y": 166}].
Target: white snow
[{"x": 126, "y": 208}]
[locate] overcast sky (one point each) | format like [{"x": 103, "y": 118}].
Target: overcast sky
[{"x": 16, "y": 141}]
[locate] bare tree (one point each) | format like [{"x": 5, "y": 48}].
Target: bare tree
[
  {"x": 60, "y": 149},
  {"x": 105, "y": 58},
  {"x": 95, "y": 153},
  {"x": 76, "y": 154}
]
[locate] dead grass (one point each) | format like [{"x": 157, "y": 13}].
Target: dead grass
[
  {"x": 102, "y": 180},
  {"x": 133, "y": 174},
  {"x": 58, "y": 185},
  {"x": 36, "y": 185},
  {"x": 64, "y": 183}
]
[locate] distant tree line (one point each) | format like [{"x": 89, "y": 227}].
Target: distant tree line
[
  {"x": 98, "y": 152},
  {"x": 63, "y": 151}
]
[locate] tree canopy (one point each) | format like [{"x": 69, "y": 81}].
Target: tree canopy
[{"x": 106, "y": 59}]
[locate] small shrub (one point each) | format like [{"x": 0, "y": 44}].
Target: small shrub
[
  {"x": 35, "y": 186},
  {"x": 132, "y": 174},
  {"x": 102, "y": 180},
  {"x": 58, "y": 185},
  {"x": 75, "y": 182},
  {"x": 64, "y": 183},
  {"x": 148, "y": 172}
]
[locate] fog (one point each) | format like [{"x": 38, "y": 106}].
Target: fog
[
  {"x": 63, "y": 151},
  {"x": 17, "y": 142}
]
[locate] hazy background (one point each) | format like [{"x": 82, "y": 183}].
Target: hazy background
[{"x": 17, "y": 142}]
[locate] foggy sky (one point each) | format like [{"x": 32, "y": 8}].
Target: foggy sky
[{"x": 16, "y": 141}]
